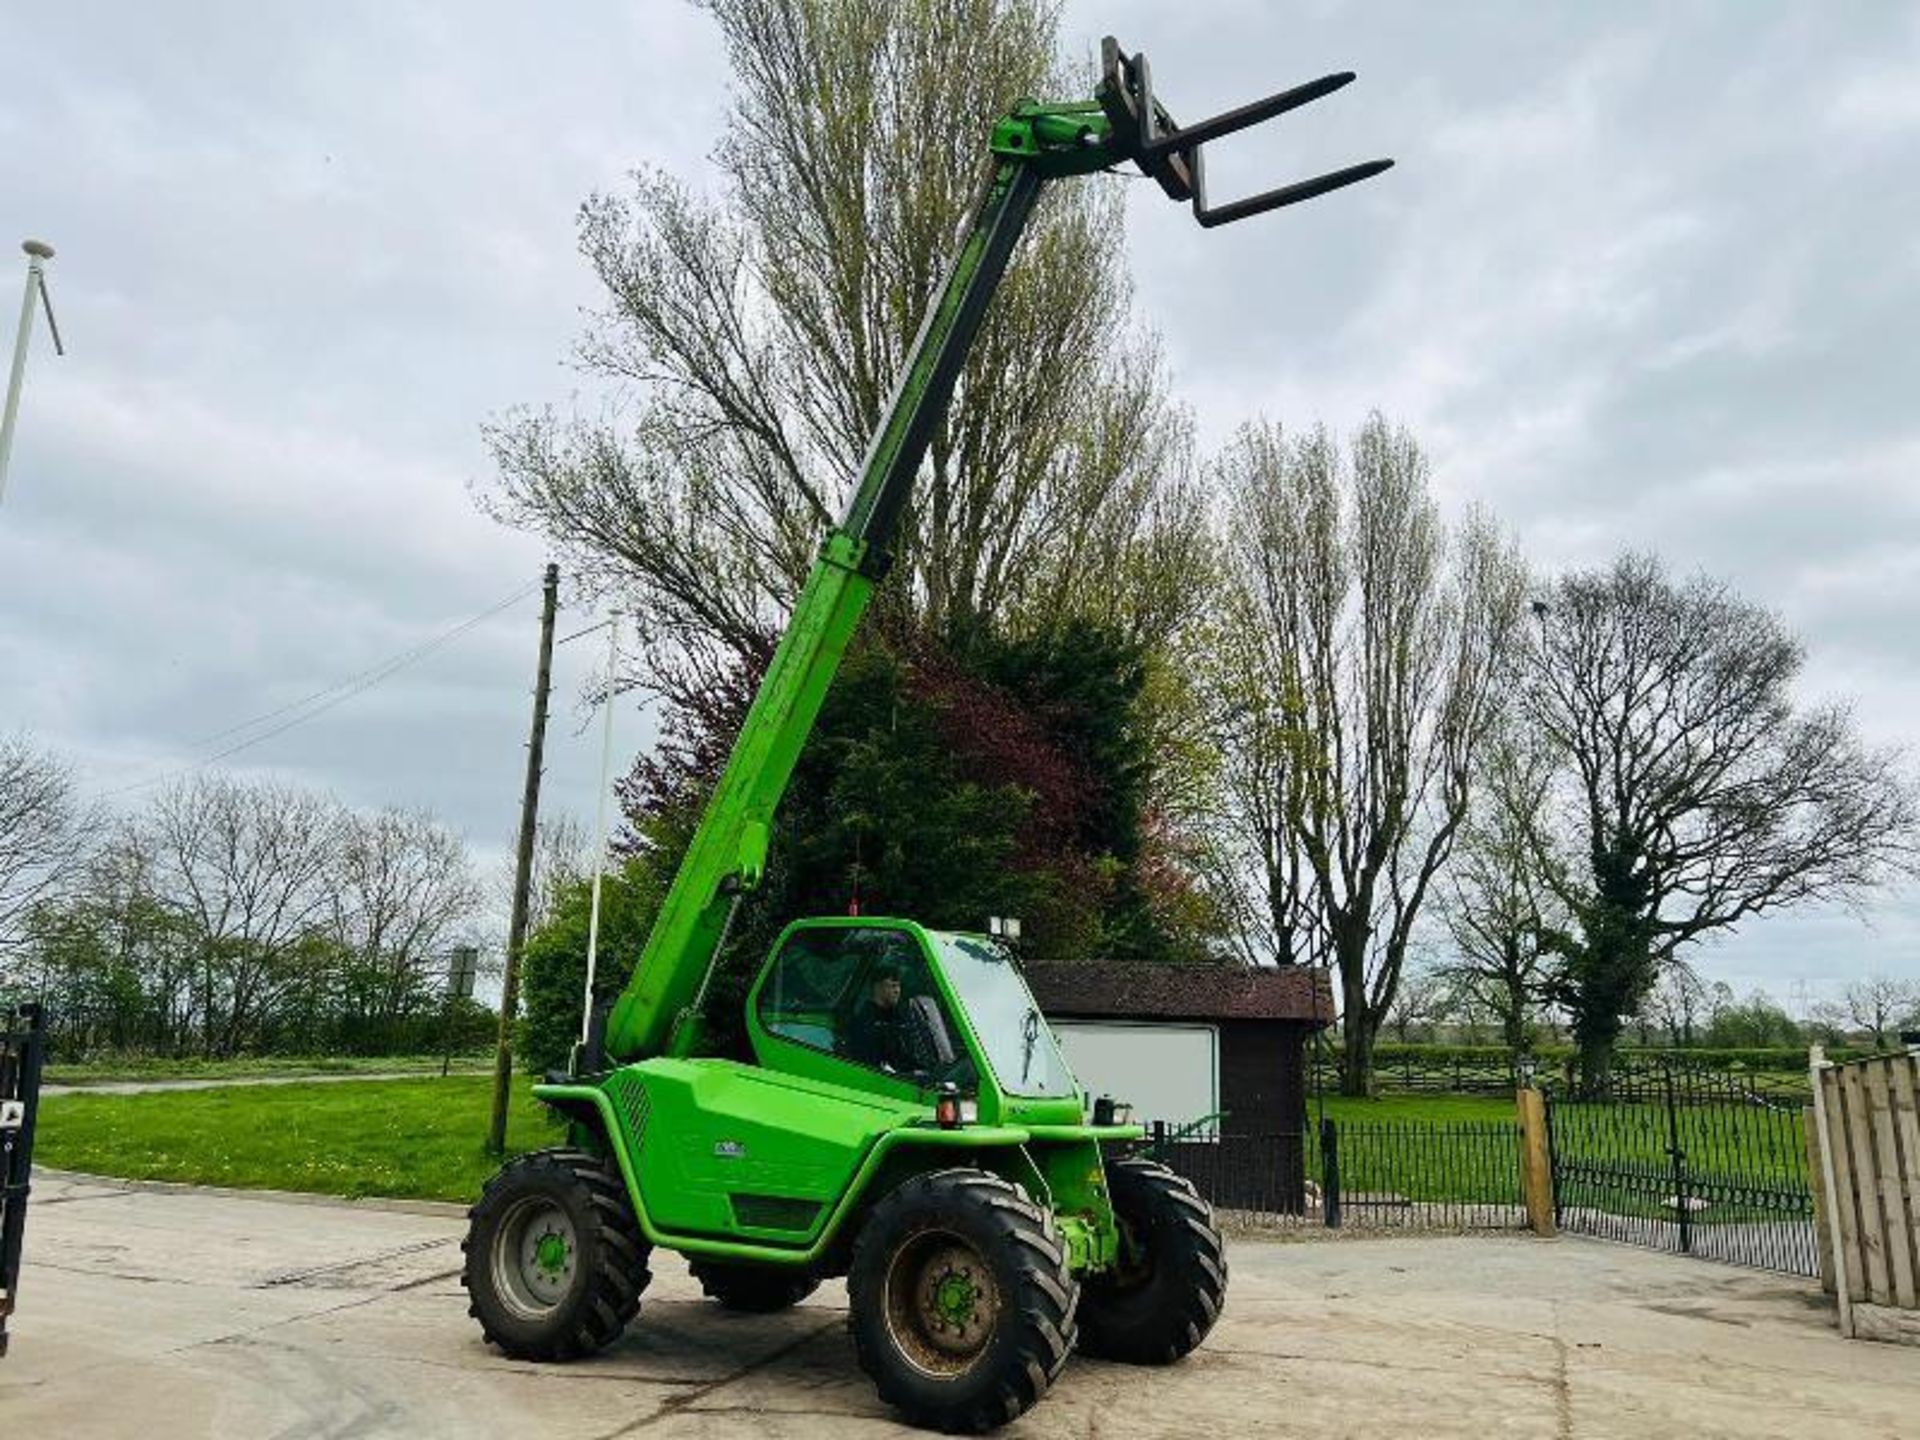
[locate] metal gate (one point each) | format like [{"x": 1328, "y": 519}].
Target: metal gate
[
  {"x": 22, "y": 1039},
  {"x": 1682, "y": 1157}
]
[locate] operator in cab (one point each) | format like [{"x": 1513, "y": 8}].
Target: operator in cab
[{"x": 877, "y": 1034}]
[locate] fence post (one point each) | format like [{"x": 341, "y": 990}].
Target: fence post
[
  {"x": 1536, "y": 1159},
  {"x": 1677, "y": 1155},
  {"x": 1817, "y": 1188},
  {"x": 1330, "y": 1173},
  {"x": 27, "y": 1041}
]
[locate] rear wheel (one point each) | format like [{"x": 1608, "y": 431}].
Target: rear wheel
[
  {"x": 1164, "y": 1295},
  {"x": 962, "y": 1306},
  {"x": 554, "y": 1258},
  {"x": 753, "y": 1289}
]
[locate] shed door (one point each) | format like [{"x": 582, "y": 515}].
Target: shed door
[{"x": 1166, "y": 1072}]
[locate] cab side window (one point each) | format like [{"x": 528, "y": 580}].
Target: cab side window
[
  {"x": 865, "y": 994},
  {"x": 810, "y": 984}
]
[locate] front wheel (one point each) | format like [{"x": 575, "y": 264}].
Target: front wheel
[
  {"x": 961, "y": 1302},
  {"x": 555, "y": 1262},
  {"x": 1162, "y": 1298}
]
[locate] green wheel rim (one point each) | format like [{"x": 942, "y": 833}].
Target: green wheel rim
[{"x": 942, "y": 1303}]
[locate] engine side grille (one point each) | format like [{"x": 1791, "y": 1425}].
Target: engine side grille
[
  {"x": 774, "y": 1212},
  {"x": 630, "y": 1096}
]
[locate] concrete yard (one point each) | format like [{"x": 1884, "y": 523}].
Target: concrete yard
[{"x": 184, "y": 1313}]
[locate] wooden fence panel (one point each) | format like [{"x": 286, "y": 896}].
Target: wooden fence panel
[
  {"x": 1886, "y": 1165},
  {"x": 1871, "y": 1110},
  {"x": 1872, "y": 1237},
  {"x": 1846, "y": 1208},
  {"x": 1906, "y": 1126}
]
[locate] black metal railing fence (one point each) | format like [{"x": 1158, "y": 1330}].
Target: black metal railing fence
[
  {"x": 1678, "y": 1158},
  {"x": 22, "y": 1051},
  {"x": 1413, "y": 1174}
]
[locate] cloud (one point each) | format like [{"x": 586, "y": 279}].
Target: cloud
[{"x": 1645, "y": 276}]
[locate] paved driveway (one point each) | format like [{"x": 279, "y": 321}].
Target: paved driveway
[{"x": 185, "y": 1313}]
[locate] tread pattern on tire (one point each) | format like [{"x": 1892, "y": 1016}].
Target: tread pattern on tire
[
  {"x": 1043, "y": 1306},
  {"x": 1173, "y": 1314},
  {"x": 616, "y": 1276},
  {"x": 752, "y": 1289}
]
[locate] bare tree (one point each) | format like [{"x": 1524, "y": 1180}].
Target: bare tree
[
  {"x": 1496, "y": 910},
  {"x": 754, "y": 340},
  {"x": 1694, "y": 794},
  {"x": 1364, "y": 646},
  {"x": 45, "y": 830},
  {"x": 1879, "y": 1004},
  {"x": 403, "y": 889},
  {"x": 1828, "y": 1022},
  {"x": 562, "y": 855},
  {"x": 1422, "y": 1000},
  {"x": 1679, "y": 1003},
  {"x": 249, "y": 864}
]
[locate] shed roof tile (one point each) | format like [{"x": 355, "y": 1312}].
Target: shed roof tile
[{"x": 1182, "y": 992}]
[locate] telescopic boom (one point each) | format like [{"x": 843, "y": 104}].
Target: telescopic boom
[{"x": 1035, "y": 143}]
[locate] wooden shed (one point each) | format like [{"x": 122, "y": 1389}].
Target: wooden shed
[{"x": 1186, "y": 1042}]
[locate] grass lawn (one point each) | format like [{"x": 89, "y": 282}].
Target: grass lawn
[
  {"x": 1458, "y": 1148},
  {"x": 419, "y": 1139},
  {"x": 1431, "y": 1108},
  {"x": 265, "y": 1066}
]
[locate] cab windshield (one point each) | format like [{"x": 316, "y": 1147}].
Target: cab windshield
[{"x": 1019, "y": 1043}]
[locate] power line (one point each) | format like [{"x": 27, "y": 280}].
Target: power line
[
  {"x": 373, "y": 672},
  {"x": 310, "y": 707}
]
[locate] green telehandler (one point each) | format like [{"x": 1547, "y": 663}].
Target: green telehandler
[{"x": 907, "y": 1119}]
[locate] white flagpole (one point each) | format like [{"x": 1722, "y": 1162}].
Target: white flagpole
[
  {"x": 37, "y": 251},
  {"x": 600, "y": 824}
]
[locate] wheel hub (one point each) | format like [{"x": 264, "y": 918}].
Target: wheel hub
[
  {"x": 535, "y": 1255},
  {"x": 550, "y": 1252},
  {"x": 942, "y": 1303},
  {"x": 953, "y": 1297}
]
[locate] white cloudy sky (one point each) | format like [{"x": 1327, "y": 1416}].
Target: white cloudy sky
[{"x": 1647, "y": 275}]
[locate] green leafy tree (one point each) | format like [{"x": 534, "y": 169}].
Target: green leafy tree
[
  {"x": 553, "y": 972},
  {"x": 1750, "y": 1024}
]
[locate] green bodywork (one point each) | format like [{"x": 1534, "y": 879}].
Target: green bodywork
[
  {"x": 775, "y": 1161},
  {"x": 767, "y": 1161}
]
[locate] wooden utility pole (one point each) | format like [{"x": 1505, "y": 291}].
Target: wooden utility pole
[{"x": 523, "y": 869}]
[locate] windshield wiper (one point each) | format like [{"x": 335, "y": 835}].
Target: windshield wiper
[{"x": 1030, "y": 1033}]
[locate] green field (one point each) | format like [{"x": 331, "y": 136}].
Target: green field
[
  {"x": 155, "y": 1067},
  {"x": 418, "y": 1139},
  {"x": 1457, "y": 1148},
  {"x": 422, "y": 1139}
]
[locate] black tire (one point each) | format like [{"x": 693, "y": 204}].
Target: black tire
[
  {"x": 753, "y": 1289},
  {"x": 961, "y": 1302},
  {"x": 555, "y": 1262},
  {"x": 1172, "y": 1280}
]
